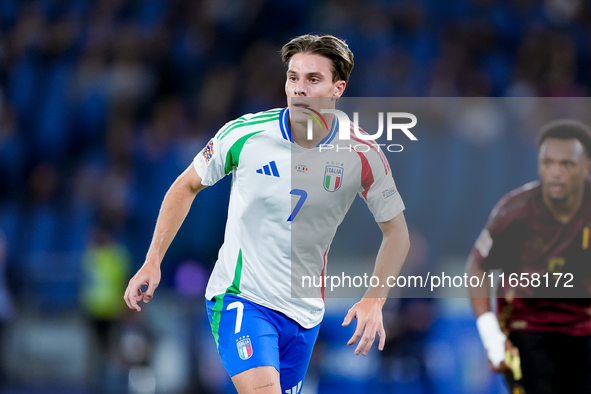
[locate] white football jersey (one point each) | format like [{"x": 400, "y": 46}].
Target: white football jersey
[{"x": 286, "y": 203}]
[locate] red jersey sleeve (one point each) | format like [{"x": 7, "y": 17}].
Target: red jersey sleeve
[{"x": 495, "y": 246}]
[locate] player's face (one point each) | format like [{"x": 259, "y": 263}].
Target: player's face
[
  {"x": 309, "y": 84},
  {"x": 563, "y": 166}
]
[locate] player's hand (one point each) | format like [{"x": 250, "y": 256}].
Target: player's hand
[
  {"x": 368, "y": 313},
  {"x": 148, "y": 275},
  {"x": 503, "y": 367}
]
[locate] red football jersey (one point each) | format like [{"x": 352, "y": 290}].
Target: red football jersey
[{"x": 523, "y": 236}]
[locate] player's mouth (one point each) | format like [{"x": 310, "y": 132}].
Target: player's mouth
[
  {"x": 299, "y": 106},
  {"x": 556, "y": 188}
]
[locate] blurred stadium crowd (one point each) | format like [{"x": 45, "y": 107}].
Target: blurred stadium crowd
[{"x": 103, "y": 103}]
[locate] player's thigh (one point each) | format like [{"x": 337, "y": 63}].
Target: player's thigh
[
  {"x": 260, "y": 380},
  {"x": 574, "y": 368},
  {"x": 245, "y": 337},
  {"x": 295, "y": 357},
  {"x": 538, "y": 365}
]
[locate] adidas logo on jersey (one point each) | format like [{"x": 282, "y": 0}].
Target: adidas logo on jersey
[
  {"x": 269, "y": 169},
  {"x": 294, "y": 389}
]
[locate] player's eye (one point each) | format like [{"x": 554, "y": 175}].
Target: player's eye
[
  {"x": 568, "y": 164},
  {"x": 292, "y": 78},
  {"x": 314, "y": 80}
]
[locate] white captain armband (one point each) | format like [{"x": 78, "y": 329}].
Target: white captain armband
[{"x": 492, "y": 337}]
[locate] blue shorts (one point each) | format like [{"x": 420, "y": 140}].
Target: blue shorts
[{"x": 248, "y": 335}]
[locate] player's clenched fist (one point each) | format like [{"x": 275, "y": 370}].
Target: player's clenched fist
[{"x": 148, "y": 275}]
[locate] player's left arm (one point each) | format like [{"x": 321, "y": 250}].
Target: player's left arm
[{"x": 368, "y": 311}]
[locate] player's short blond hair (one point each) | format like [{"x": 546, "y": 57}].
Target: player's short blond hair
[{"x": 328, "y": 46}]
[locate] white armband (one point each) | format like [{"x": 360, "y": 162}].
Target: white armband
[{"x": 492, "y": 337}]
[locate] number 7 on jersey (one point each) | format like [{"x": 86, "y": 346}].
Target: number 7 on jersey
[{"x": 303, "y": 195}]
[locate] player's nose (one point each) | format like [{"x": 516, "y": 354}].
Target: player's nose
[
  {"x": 300, "y": 89},
  {"x": 556, "y": 171}
]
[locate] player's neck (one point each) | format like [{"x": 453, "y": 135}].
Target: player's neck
[
  {"x": 564, "y": 210},
  {"x": 299, "y": 132}
]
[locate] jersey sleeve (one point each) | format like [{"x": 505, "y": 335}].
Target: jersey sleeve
[
  {"x": 210, "y": 163},
  {"x": 495, "y": 242},
  {"x": 219, "y": 157},
  {"x": 378, "y": 188},
  {"x": 222, "y": 153}
]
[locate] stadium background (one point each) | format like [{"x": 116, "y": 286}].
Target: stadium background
[{"x": 104, "y": 103}]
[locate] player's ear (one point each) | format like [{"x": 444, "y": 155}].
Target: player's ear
[{"x": 339, "y": 89}]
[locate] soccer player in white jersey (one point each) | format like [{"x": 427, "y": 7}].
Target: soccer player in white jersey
[{"x": 287, "y": 199}]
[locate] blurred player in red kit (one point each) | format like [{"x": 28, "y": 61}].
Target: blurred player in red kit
[{"x": 541, "y": 230}]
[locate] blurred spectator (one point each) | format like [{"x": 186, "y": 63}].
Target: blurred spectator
[
  {"x": 134, "y": 352},
  {"x": 6, "y": 305},
  {"x": 404, "y": 358},
  {"x": 12, "y": 154},
  {"x": 407, "y": 321},
  {"x": 106, "y": 266}
]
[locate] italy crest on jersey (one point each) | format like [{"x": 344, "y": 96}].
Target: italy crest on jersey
[
  {"x": 244, "y": 348},
  {"x": 333, "y": 177}
]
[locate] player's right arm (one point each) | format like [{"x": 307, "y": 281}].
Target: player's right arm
[
  {"x": 490, "y": 251},
  {"x": 494, "y": 340},
  {"x": 174, "y": 210}
]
